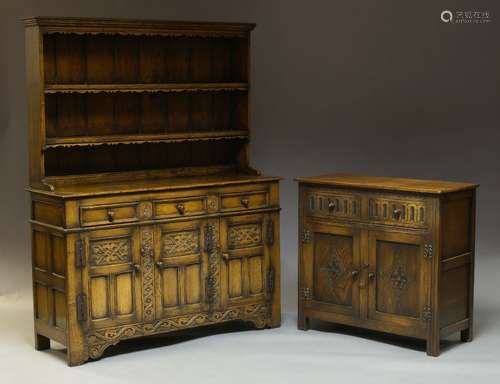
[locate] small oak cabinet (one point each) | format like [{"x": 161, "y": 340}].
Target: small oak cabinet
[
  {"x": 146, "y": 216},
  {"x": 393, "y": 255}
]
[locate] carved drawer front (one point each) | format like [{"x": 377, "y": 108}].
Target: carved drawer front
[
  {"x": 108, "y": 214},
  {"x": 324, "y": 203},
  {"x": 398, "y": 211},
  {"x": 244, "y": 200},
  {"x": 190, "y": 206}
]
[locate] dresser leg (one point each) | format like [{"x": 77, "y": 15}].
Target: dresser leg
[
  {"x": 433, "y": 347},
  {"x": 303, "y": 323},
  {"x": 466, "y": 335},
  {"x": 41, "y": 342}
]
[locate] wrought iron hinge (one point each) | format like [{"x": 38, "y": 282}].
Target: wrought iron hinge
[
  {"x": 79, "y": 254},
  {"x": 306, "y": 293},
  {"x": 428, "y": 251},
  {"x": 270, "y": 232},
  {"x": 81, "y": 307},
  {"x": 270, "y": 280},
  {"x": 306, "y": 236},
  {"x": 427, "y": 313}
]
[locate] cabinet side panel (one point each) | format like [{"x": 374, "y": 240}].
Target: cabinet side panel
[{"x": 457, "y": 254}]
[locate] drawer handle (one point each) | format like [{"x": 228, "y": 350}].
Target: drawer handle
[
  {"x": 245, "y": 202},
  {"x": 396, "y": 214},
  {"x": 181, "y": 208},
  {"x": 111, "y": 215},
  {"x": 331, "y": 206}
]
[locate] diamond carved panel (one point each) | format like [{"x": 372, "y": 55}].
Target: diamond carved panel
[
  {"x": 180, "y": 243},
  {"x": 244, "y": 236},
  {"x": 110, "y": 251}
]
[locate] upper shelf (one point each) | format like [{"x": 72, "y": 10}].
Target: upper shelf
[
  {"x": 143, "y": 87},
  {"x": 83, "y": 141}
]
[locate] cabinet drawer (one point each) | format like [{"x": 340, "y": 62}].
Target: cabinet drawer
[
  {"x": 333, "y": 204},
  {"x": 244, "y": 200},
  {"x": 107, "y": 214},
  {"x": 180, "y": 207},
  {"x": 398, "y": 210}
]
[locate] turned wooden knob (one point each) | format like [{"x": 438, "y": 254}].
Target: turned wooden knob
[
  {"x": 111, "y": 215},
  {"x": 331, "y": 206},
  {"x": 181, "y": 208},
  {"x": 245, "y": 202},
  {"x": 396, "y": 214}
]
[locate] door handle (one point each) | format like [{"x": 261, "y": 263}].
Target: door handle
[
  {"x": 355, "y": 274},
  {"x": 225, "y": 256},
  {"x": 371, "y": 276},
  {"x": 159, "y": 264},
  {"x": 137, "y": 267}
]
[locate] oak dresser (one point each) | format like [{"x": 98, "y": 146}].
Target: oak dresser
[
  {"x": 145, "y": 214},
  {"x": 388, "y": 254}
]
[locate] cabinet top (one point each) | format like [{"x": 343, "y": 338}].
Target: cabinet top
[
  {"x": 132, "y": 26},
  {"x": 388, "y": 183}
]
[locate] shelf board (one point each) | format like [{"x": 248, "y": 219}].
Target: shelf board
[
  {"x": 143, "y": 87},
  {"x": 84, "y": 141}
]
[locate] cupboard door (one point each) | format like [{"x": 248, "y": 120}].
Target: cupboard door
[
  {"x": 330, "y": 264},
  {"x": 181, "y": 267},
  {"x": 245, "y": 253},
  {"x": 112, "y": 277},
  {"x": 399, "y": 278}
]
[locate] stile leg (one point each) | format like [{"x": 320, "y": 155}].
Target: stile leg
[{"x": 41, "y": 342}]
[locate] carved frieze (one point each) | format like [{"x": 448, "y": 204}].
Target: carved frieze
[
  {"x": 244, "y": 236},
  {"x": 147, "y": 273},
  {"x": 110, "y": 251}
]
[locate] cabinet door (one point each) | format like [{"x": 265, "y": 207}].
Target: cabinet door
[
  {"x": 398, "y": 279},
  {"x": 181, "y": 267},
  {"x": 245, "y": 251},
  {"x": 112, "y": 277},
  {"x": 330, "y": 264}
]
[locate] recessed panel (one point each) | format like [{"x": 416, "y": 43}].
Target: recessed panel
[
  {"x": 60, "y": 309},
  {"x": 40, "y": 249},
  {"x": 398, "y": 278},
  {"x": 255, "y": 274},
  {"x": 124, "y": 294},
  {"x": 170, "y": 285},
  {"x": 333, "y": 258},
  {"x": 42, "y": 300},
  {"x": 192, "y": 276},
  {"x": 235, "y": 278},
  {"x": 58, "y": 255},
  {"x": 99, "y": 297}
]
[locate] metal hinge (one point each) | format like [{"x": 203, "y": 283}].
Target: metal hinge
[
  {"x": 428, "y": 251},
  {"x": 306, "y": 236},
  {"x": 306, "y": 293},
  {"x": 81, "y": 307},
  {"x": 270, "y": 280},
  {"x": 270, "y": 232},
  {"x": 79, "y": 254},
  {"x": 427, "y": 313}
]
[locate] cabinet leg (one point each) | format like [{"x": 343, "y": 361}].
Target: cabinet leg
[
  {"x": 41, "y": 342},
  {"x": 466, "y": 335},
  {"x": 433, "y": 347},
  {"x": 303, "y": 323}
]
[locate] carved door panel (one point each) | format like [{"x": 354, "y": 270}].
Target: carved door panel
[
  {"x": 330, "y": 267},
  {"x": 398, "y": 280},
  {"x": 181, "y": 267},
  {"x": 245, "y": 252},
  {"x": 112, "y": 280}
]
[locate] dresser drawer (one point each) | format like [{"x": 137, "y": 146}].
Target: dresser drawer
[
  {"x": 398, "y": 210},
  {"x": 333, "y": 204},
  {"x": 244, "y": 200},
  {"x": 107, "y": 214},
  {"x": 189, "y": 206}
]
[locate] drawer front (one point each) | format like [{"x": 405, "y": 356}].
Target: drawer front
[
  {"x": 333, "y": 204},
  {"x": 398, "y": 211},
  {"x": 108, "y": 214},
  {"x": 244, "y": 200},
  {"x": 190, "y": 206}
]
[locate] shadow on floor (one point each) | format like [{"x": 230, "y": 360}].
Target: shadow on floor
[{"x": 382, "y": 337}]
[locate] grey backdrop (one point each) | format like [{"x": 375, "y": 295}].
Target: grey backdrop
[{"x": 374, "y": 87}]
